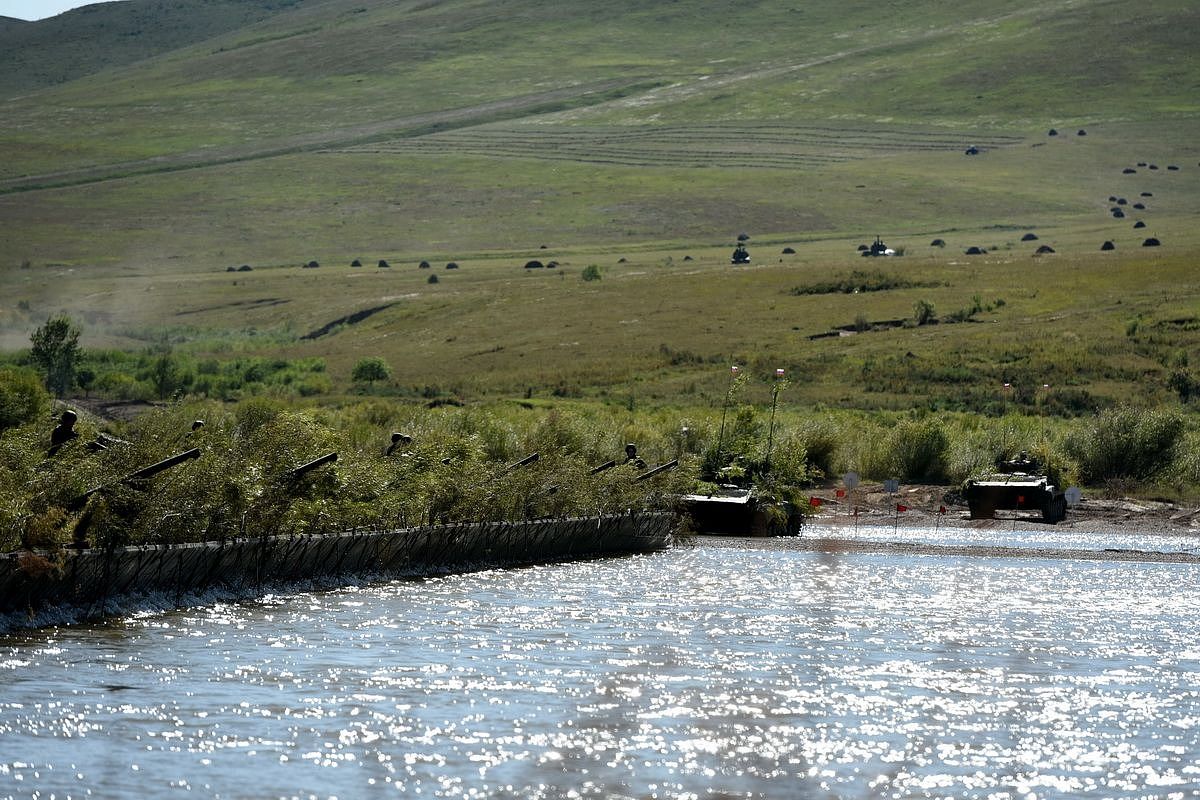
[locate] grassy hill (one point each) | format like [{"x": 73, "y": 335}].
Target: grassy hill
[
  {"x": 637, "y": 136},
  {"x": 95, "y": 38}
]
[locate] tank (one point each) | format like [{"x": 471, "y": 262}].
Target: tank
[
  {"x": 1017, "y": 485},
  {"x": 740, "y": 255}
]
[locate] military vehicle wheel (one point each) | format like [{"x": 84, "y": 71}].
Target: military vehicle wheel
[
  {"x": 980, "y": 510},
  {"x": 1055, "y": 510}
]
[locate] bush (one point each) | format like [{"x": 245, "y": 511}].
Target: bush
[
  {"x": 923, "y": 312},
  {"x": 591, "y": 273},
  {"x": 121, "y": 386},
  {"x": 820, "y": 441},
  {"x": 916, "y": 451},
  {"x": 1126, "y": 443},
  {"x": 789, "y": 464},
  {"x": 371, "y": 369},
  {"x": 252, "y": 414},
  {"x": 22, "y": 398},
  {"x": 1183, "y": 384}
]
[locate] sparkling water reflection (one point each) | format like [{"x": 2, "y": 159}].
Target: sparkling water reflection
[
  {"x": 734, "y": 668},
  {"x": 1011, "y": 533}
]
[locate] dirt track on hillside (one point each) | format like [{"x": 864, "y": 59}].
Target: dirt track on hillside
[{"x": 318, "y": 140}]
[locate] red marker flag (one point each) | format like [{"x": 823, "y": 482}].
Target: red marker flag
[
  {"x": 841, "y": 492},
  {"x": 901, "y": 508},
  {"x": 941, "y": 509},
  {"x": 1020, "y": 498},
  {"x": 815, "y": 502}
]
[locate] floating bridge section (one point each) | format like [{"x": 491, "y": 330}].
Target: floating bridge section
[{"x": 92, "y": 582}]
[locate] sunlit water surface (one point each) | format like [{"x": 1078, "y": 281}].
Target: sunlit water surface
[
  {"x": 1012, "y": 532},
  {"x": 733, "y": 668}
]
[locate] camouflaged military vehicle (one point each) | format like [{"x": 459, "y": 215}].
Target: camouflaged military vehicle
[{"x": 1016, "y": 485}]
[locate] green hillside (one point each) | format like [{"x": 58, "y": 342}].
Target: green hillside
[
  {"x": 637, "y": 136},
  {"x": 318, "y": 74},
  {"x": 94, "y": 38}
]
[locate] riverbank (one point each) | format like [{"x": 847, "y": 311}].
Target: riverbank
[
  {"x": 1095, "y": 529},
  {"x": 929, "y": 505}
]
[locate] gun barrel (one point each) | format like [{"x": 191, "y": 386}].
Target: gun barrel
[
  {"x": 524, "y": 462},
  {"x": 604, "y": 466},
  {"x": 328, "y": 458},
  {"x": 141, "y": 474},
  {"x": 660, "y": 468},
  {"x": 165, "y": 464}
]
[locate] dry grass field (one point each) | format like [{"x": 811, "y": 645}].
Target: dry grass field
[{"x": 641, "y": 140}]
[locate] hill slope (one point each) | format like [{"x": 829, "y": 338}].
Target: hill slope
[
  {"x": 479, "y": 131},
  {"x": 331, "y": 72},
  {"x": 91, "y": 39}
]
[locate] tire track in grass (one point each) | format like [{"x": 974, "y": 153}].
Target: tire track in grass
[
  {"x": 691, "y": 146},
  {"x": 414, "y": 125}
]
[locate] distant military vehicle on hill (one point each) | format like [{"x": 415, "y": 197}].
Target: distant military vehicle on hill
[{"x": 878, "y": 248}]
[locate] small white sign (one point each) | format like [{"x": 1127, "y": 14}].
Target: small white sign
[
  {"x": 850, "y": 480},
  {"x": 1073, "y": 495}
]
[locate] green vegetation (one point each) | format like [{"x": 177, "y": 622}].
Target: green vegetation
[
  {"x": 22, "y": 399},
  {"x": 1131, "y": 444},
  {"x": 56, "y": 351},
  {"x": 634, "y": 143},
  {"x": 161, "y": 373},
  {"x": 457, "y": 467},
  {"x": 371, "y": 369},
  {"x": 458, "y": 464},
  {"x": 859, "y": 281},
  {"x": 923, "y": 312}
]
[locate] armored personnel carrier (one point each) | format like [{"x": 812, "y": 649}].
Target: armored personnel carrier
[
  {"x": 1016, "y": 485},
  {"x": 737, "y": 511}
]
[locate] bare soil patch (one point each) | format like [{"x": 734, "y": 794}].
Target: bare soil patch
[{"x": 923, "y": 506}]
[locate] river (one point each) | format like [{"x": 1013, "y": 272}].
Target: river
[{"x": 731, "y": 668}]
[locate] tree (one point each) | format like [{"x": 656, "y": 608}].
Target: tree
[
  {"x": 371, "y": 369},
  {"x": 56, "y": 351},
  {"x": 165, "y": 376}
]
